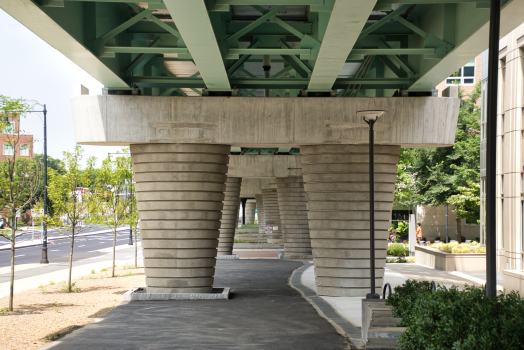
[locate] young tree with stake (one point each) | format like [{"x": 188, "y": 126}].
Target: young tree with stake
[
  {"x": 19, "y": 177},
  {"x": 70, "y": 203},
  {"x": 112, "y": 204}
]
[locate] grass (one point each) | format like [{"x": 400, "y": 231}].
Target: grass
[
  {"x": 64, "y": 287},
  {"x": 51, "y": 283},
  {"x": 43, "y": 289},
  {"x": 103, "y": 270}
]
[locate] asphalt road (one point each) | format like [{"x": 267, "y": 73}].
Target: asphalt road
[{"x": 86, "y": 247}]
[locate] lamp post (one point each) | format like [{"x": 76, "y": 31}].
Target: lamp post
[
  {"x": 44, "y": 259},
  {"x": 371, "y": 117},
  {"x": 447, "y": 236}
]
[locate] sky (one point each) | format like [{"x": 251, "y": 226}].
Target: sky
[{"x": 32, "y": 69}]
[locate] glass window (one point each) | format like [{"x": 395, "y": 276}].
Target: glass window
[
  {"x": 9, "y": 128},
  {"x": 464, "y": 76},
  {"x": 24, "y": 150},
  {"x": 8, "y": 150}
]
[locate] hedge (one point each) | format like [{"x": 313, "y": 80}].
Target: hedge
[{"x": 454, "y": 319}]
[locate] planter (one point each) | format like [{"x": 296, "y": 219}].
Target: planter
[
  {"x": 437, "y": 259},
  {"x": 513, "y": 280}
]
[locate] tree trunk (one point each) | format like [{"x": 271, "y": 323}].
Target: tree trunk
[
  {"x": 12, "y": 286},
  {"x": 71, "y": 258},
  {"x": 114, "y": 252},
  {"x": 459, "y": 230}
]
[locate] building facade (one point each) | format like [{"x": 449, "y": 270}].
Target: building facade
[
  {"x": 13, "y": 142},
  {"x": 510, "y": 159}
]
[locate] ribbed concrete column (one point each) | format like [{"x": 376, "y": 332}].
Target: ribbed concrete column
[
  {"x": 180, "y": 189},
  {"x": 293, "y": 216},
  {"x": 229, "y": 221},
  {"x": 272, "y": 214},
  {"x": 261, "y": 215},
  {"x": 251, "y": 205},
  {"x": 336, "y": 180}
]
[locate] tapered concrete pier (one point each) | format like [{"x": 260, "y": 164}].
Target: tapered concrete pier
[
  {"x": 229, "y": 221},
  {"x": 261, "y": 216},
  {"x": 293, "y": 215},
  {"x": 180, "y": 189},
  {"x": 336, "y": 181},
  {"x": 251, "y": 206},
  {"x": 272, "y": 214}
]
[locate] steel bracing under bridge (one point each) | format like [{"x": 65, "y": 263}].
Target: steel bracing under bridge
[{"x": 277, "y": 47}]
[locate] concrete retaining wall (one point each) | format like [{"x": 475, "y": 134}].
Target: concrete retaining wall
[{"x": 440, "y": 260}]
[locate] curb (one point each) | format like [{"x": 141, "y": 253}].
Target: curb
[
  {"x": 8, "y": 246},
  {"x": 342, "y": 326}
]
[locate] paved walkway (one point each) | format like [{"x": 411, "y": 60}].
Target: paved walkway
[{"x": 264, "y": 312}]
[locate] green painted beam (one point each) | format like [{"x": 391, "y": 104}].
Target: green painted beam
[
  {"x": 384, "y": 20},
  {"x": 269, "y": 2},
  {"x": 255, "y": 24},
  {"x": 427, "y": 2},
  {"x": 138, "y": 49},
  {"x": 235, "y": 53},
  {"x": 114, "y": 32},
  {"x": 388, "y": 52},
  {"x": 142, "y": 59},
  {"x": 241, "y": 60},
  {"x": 268, "y": 83},
  {"x": 345, "y": 23},
  {"x": 193, "y": 23},
  {"x": 29, "y": 14}
]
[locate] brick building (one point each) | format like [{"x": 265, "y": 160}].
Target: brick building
[{"x": 24, "y": 146}]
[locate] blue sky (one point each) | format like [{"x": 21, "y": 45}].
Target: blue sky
[{"x": 32, "y": 69}]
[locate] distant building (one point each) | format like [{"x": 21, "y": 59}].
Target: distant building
[{"x": 24, "y": 148}]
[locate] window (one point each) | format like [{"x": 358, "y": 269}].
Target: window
[
  {"x": 464, "y": 76},
  {"x": 24, "y": 150},
  {"x": 9, "y": 128},
  {"x": 8, "y": 150}
]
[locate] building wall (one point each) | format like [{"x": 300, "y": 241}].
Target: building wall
[
  {"x": 467, "y": 89},
  {"x": 510, "y": 144},
  {"x": 433, "y": 223},
  {"x": 24, "y": 139}
]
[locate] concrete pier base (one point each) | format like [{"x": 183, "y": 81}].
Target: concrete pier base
[
  {"x": 261, "y": 216},
  {"x": 180, "y": 189},
  {"x": 229, "y": 221},
  {"x": 293, "y": 216},
  {"x": 272, "y": 214},
  {"x": 251, "y": 206},
  {"x": 336, "y": 181}
]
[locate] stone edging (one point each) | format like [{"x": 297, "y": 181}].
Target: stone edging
[{"x": 342, "y": 326}]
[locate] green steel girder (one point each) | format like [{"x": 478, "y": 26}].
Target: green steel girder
[{"x": 121, "y": 43}]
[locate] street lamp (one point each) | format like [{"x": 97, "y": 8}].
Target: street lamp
[
  {"x": 447, "y": 236},
  {"x": 43, "y": 259},
  {"x": 371, "y": 117}
]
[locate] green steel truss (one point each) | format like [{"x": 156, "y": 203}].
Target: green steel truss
[{"x": 182, "y": 47}]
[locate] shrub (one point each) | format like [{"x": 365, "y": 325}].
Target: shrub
[
  {"x": 398, "y": 249},
  {"x": 454, "y": 319},
  {"x": 456, "y": 247}
]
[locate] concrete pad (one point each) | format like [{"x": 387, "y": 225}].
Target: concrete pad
[{"x": 141, "y": 294}]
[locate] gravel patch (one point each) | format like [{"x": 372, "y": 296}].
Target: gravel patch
[{"x": 45, "y": 314}]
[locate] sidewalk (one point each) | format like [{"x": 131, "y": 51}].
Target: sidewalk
[
  {"x": 264, "y": 312},
  {"x": 396, "y": 274}
]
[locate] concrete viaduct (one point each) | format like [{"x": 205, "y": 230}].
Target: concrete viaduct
[{"x": 189, "y": 83}]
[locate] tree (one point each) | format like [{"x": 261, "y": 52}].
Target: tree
[
  {"x": 458, "y": 165},
  {"x": 71, "y": 204},
  {"x": 19, "y": 177},
  {"x": 133, "y": 217},
  {"x": 111, "y": 202}
]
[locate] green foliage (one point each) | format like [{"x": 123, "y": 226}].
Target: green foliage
[
  {"x": 423, "y": 171},
  {"x": 456, "y": 247},
  {"x": 454, "y": 319},
  {"x": 402, "y": 228},
  {"x": 398, "y": 249}
]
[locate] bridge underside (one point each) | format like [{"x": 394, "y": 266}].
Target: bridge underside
[
  {"x": 281, "y": 48},
  {"x": 316, "y": 62}
]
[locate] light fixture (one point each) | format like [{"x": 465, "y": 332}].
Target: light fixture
[{"x": 370, "y": 115}]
